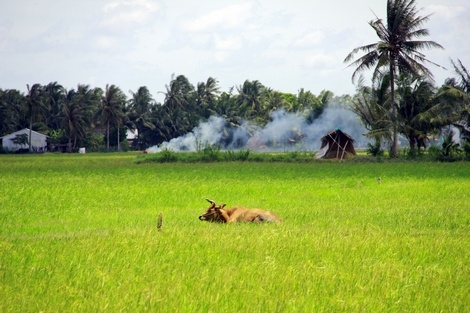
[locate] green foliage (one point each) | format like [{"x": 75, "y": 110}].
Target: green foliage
[
  {"x": 449, "y": 147},
  {"x": 124, "y": 145},
  {"x": 95, "y": 142},
  {"x": 449, "y": 151},
  {"x": 166, "y": 156},
  {"x": 57, "y": 137},
  {"x": 375, "y": 149},
  {"x": 81, "y": 234},
  {"x": 212, "y": 154},
  {"x": 240, "y": 155},
  {"x": 466, "y": 149}
]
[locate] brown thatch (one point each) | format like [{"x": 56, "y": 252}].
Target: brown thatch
[{"x": 336, "y": 145}]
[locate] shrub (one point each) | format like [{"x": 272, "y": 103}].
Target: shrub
[
  {"x": 466, "y": 149},
  {"x": 375, "y": 149}
]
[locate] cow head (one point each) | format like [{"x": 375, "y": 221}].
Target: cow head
[{"x": 213, "y": 213}]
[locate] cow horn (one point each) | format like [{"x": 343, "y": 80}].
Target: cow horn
[{"x": 210, "y": 201}]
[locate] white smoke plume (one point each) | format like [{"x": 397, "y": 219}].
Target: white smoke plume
[
  {"x": 207, "y": 133},
  {"x": 285, "y": 132}
]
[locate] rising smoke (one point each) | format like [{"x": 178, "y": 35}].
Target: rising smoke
[{"x": 285, "y": 132}]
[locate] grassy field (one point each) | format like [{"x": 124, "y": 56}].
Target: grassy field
[{"x": 78, "y": 234}]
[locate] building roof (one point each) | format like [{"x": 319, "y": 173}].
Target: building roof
[{"x": 22, "y": 131}]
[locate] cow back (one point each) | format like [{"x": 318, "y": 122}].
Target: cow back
[{"x": 241, "y": 214}]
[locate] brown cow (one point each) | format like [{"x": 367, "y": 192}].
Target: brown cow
[{"x": 217, "y": 213}]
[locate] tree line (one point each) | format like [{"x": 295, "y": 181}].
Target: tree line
[{"x": 98, "y": 118}]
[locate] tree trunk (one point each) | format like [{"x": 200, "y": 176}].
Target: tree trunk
[
  {"x": 394, "y": 148},
  {"x": 107, "y": 135},
  {"x": 118, "y": 138},
  {"x": 30, "y": 131}
]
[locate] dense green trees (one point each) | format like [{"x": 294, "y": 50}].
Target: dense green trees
[
  {"x": 85, "y": 116},
  {"x": 77, "y": 113}
]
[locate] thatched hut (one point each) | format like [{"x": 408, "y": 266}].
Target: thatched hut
[{"x": 336, "y": 145}]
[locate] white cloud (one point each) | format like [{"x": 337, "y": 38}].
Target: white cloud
[
  {"x": 445, "y": 11},
  {"x": 227, "y": 43},
  {"x": 106, "y": 42},
  {"x": 124, "y": 13},
  {"x": 232, "y": 17},
  {"x": 319, "y": 61},
  {"x": 311, "y": 39}
]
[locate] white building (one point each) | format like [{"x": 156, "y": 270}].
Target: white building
[{"x": 38, "y": 141}]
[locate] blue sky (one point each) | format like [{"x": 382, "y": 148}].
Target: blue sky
[{"x": 286, "y": 45}]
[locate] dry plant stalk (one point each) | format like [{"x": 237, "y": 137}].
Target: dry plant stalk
[{"x": 160, "y": 221}]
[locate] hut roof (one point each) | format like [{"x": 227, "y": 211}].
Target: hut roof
[
  {"x": 336, "y": 144},
  {"x": 331, "y": 134}
]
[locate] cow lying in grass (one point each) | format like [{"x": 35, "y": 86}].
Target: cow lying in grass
[{"x": 218, "y": 214}]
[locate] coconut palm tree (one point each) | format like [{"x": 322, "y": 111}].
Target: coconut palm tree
[
  {"x": 397, "y": 50},
  {"x": 36, "y": 105},
  {"x": 11, "y": 103},
  {"x": 464, "y": 85},
  {"x": 464, "y": 76},
  {"x": 77, "y": 110},
  {"x": 111, "y": 111},
  {"x": 174, "y": 95},
  {"x": 226, "y": 107},
  {"x": 206, "y": 96},
  {"x": 416, "y": 101},
  {"x": 250, "y": 98},
  {"x": 371, "y": 105},
  {"x": 140, "y": 105},
  {"x": 54, "y": 93}
]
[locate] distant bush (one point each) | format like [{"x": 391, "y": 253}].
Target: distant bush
[
  {"x": 466, "y": 149},
  {"x": 375, "y": 149},
  {"x": 214, "y": 154}
]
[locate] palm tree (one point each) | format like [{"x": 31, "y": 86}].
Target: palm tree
[
  {"x": 179, "y": 107},
  {"x": 11, "y": 103},
  {"x": 416, "y": 102},
  {"x": 396, "y": 50},
  {"x": 77, "y": 110},
  {"x": 54, "y": 94},
  {"x": 250, "y": 98},
  {"x": 371, "y": 105},
  {"x": 36, "y": 105},
  {"x": 206, "y": 96},
  {"x": 452, "y": 108},
  {"x": 306, "y": 103},
  {"x": 226, "y": 107},
  {"x": 111, "y": 111},
  {"x": 141, "y": 104},
  {"x": 464, "y": 85},
  {"x": 464, "y": 76},
  {"x": 174, "y": 95}
]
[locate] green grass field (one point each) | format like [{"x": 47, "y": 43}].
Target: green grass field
[{"x": 78, "y": 234}]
